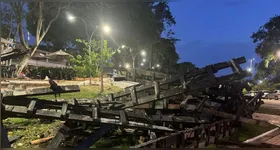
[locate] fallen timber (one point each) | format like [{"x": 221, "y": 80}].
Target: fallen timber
[{"x": 190, "y": 104}]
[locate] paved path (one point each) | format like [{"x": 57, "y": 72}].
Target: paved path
[
  {"x": 273, "y": 104},
  {"x": 273, "y": 119}
]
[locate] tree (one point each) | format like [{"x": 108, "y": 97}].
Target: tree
[
  {"x": 267, "y": 40},
  {"x": 8, "y": 28},
  {"x": 137, "y": 25},
  {"x": 94, "y": 60},
  {"x": 42, "y": 16}
]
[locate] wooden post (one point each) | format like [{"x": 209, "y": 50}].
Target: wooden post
[
  {"x": 217, "y": 133},
  {"x": 134, "y": 75},
  {"x": 4, "y": 138},
  {"x": 101, "y": 85}
]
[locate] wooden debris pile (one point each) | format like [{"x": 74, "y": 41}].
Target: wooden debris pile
[{"x": 188, "y": 108}]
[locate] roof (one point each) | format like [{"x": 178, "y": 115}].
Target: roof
[
  {"x": 5, "y": 41},
  {"x": 59, "y": 53}
]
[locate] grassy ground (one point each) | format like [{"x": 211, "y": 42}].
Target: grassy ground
[
  {"x": 248, "y": 131},
  {"x": 269, "y": 111},
  {"x": 34, "y": 129}
]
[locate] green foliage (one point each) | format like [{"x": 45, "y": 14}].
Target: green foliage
[
  {"x": 7, "y": 21},
  {"x": 95, "y": 58},
  {"x": 267, "y": 40},
  {"x": 137, "y": 25},
  {"x": 54, "y": 73},
  {"x": 244, "y": 91}
]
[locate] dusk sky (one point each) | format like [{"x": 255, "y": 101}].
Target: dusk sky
[
  {"x": 212, "y": 31},
  {"x": 217, "y": 30}
]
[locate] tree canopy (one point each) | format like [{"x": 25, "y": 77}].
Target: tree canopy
[
  {"x": 136, "y": 25},
  {"x": 267, "y": 47}
]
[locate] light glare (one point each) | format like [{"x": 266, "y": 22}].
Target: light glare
[{"x": 106, "y": 29}]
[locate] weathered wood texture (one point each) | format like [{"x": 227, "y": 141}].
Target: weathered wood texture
[
  {"x": 38, "y": 91},
  {"x": 195, "y": 137}
]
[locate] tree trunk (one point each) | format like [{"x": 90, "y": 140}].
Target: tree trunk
[
  {"x": 22, "y": 64},
  {"x": 101, "y": 85}
]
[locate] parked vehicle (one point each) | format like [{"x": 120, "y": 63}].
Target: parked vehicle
[
  {"x": 265, "y": 93},
  {"x": 251, "y": 93},
  {"x": 275, "y": 95}
]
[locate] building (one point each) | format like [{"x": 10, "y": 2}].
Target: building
[{"x": 12, "y": 54}]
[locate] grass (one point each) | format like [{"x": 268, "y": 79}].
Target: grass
[
  {"x": 34, "y": 129},
  {"x": 269, "y": 111},
  {"x": 247, "y": 131},
  {"x": 85, "y": 92},
  {"x": 116, "y": 141}
]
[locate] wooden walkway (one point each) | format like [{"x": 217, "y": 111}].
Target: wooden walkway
[{"x": 270, "y": 138}]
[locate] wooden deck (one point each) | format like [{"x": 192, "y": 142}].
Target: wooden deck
[{"x": 270, "y": 138}]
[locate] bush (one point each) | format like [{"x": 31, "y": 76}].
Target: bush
[{"x": 53, "y": 73}]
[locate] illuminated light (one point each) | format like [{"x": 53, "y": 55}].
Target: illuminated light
[
  {"x": 106, "y": 29},
  {"x": 127, "y": 66},
  {"x": 143, "y": 53}
]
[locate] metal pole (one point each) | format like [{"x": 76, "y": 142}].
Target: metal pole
[
  {"x": 89, "y": 48},
  {"x": 102, "y": 43},
  {"x": 133, "y": 62}
]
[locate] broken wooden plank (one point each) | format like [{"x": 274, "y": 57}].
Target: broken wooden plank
[
  {"x": 64, "y": 110},
  {"x": 99, "y": 133},
  {"x": 14, "y": 139},
  {"x": 232, "y": 116},
  {"x": 31, "y": 107},
  {"x": 157, "y": 89},
  {"x": 38, "y": 141},
  {"x": 21, "y": 112},
  {"x": 39, "y": 91},
  {"x": 264, "y": 137},
  {"x": 123, "y": 118},
  {"x": 134, "y": 95},
  {"x": 62, "y": 133},
  {"x": 95, "y": 112}
]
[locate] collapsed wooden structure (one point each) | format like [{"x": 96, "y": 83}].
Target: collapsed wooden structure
[{"x": 189, "y": 109}]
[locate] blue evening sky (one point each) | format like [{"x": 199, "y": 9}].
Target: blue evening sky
[{"x": 217, "y": 30}]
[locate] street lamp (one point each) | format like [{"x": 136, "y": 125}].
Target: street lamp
[
  {"x": 143, "y": 53},
  {"x": 71, "y": 18},
  {"x": 249, "y": 69},
  {"x": 106, "y": 29},
  {"x": 127, "y": 66},
  {"x": 142, "y": 64},
  {"x": 144, "y": 60},
  {"x": 158, "y": 65},
  {"x": 123, "y": 46}
]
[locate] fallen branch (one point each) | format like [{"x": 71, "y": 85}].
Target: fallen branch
[{"x": 38, "y": 141}]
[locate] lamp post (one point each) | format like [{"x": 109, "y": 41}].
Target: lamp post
[
  {"x": 143, "y": 53},
  {"x": 250, "y": 69},
  {"x": 106, "y": 29}
]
